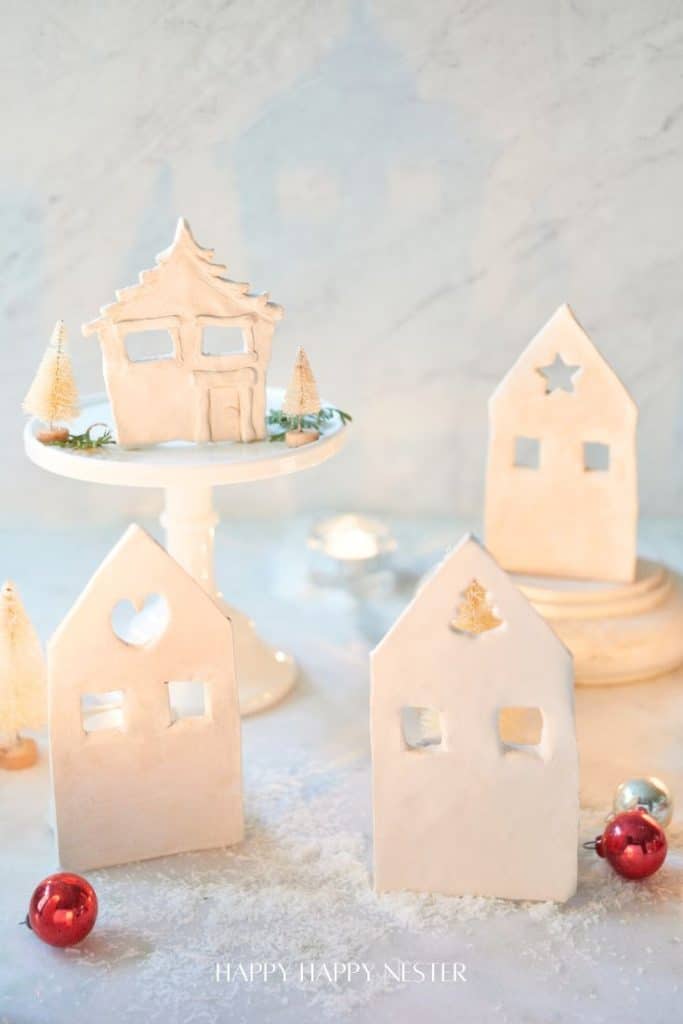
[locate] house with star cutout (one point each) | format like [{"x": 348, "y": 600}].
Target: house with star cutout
[
  {"x": 561, "y": 478},
  {"x": 473, "y": 741}
]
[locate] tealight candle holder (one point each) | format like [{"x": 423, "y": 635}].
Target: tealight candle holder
[{"x": 347, "y": 548}]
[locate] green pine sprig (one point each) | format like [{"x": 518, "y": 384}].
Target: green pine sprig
[
  {"x": 311, "y": 421},
  {"x": 85, "y": 441}
]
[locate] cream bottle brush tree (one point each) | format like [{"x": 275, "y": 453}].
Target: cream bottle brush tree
[
  {"x": 53, "y": 395},
  {"x": 301, "y": 399},
  {"x": 22, "y": 681},
  {"x": 301, "y": 417}
]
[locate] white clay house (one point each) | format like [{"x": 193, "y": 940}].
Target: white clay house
[
  {"x": 474, "y": 759},
  {"x": 561, "y": 483},
  {"x": 144, "y": 723},
  {"x": 186, "y": 351}
]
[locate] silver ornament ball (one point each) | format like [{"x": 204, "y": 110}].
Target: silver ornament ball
[{"x": 651, "y": 794}]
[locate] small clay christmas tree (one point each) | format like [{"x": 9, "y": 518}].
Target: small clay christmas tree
[
  {"x": 53, "y": 396},
  {"x": 22, "y": 681},
  {"x": 474, "y": 614},
  {"x": 301, "y": 399}
]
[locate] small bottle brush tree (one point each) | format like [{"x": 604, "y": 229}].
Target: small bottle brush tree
[
  {"x": 22, "y": 681},
  {"x": 53, "y": 396},
  {"x": 301, "y": 399}
]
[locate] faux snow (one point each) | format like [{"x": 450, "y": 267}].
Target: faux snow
[{"x": 299, "y": 890}]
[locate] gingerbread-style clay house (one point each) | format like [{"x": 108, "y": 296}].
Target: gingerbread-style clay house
[
  {"x": 144, "y": 719},
  {"x": 561, "y": 481},
  {"x": 473, "y": 741},
  {"x": 185, "y": 351}
]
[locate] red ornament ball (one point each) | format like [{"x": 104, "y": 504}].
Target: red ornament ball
[
  {"x": 63, "y": 909},
  {"x": 633, "y": 843}
]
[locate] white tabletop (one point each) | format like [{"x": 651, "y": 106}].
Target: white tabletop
[
  {"x": 299, "y": 888},
  {"x": 179, "y": 462}
]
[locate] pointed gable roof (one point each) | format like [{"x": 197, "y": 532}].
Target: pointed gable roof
[
  {"x": 121, "y": 571},
  {"x": 435, "y": 602},
  {"x": 185, "y": 274},
  {"x": 562, "y": 335}
]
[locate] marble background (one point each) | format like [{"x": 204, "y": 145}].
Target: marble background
[{"x": 420, "y": 185}]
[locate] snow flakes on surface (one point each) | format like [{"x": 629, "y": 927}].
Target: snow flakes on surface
[{"x": 298, "y": 890}]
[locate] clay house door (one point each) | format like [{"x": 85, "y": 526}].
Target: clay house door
[{"x": 224, "y": 414}]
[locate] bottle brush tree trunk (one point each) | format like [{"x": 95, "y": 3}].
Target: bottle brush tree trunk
[{"x": 22, "y": 681}]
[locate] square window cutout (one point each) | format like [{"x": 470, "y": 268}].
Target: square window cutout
[
  {"x": 149, "y": 346},
  {"x": 187, "y": 698},
  {"x": 223, "y": 341},
  {"x": 595, "y": 457},
  {"x": 520, "y": 729},
  {"x": 527, "y": 452},
  {"x": 421, "y": 728},
  {"x": 102, "y": 711}
]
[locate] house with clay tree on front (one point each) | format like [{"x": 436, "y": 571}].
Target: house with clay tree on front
[{"x": 473, "y": 741}]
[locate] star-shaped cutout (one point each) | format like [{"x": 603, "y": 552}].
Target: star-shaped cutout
[{"x": 558, "y": 375}]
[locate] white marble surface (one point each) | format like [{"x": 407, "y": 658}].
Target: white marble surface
[
  {"x": 419, "y": 186},
  {"x": 299, "y": 887}
]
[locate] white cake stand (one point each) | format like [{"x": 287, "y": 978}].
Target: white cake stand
[{"x": 188, "y": 473}]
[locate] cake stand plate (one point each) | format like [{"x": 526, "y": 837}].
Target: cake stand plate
[
  {"x": 618, "y": 633},
  {"x": 188, "y": 473}
]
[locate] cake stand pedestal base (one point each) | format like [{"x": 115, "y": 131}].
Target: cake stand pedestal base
[{"x": 265, "y": 675}]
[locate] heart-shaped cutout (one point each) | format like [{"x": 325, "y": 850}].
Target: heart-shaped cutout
[{"x": 143, "y": 624}]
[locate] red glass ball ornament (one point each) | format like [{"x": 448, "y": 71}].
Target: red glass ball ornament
[
  {"x": 63, "y": 909},
  {"x": 633, "y": 843}
]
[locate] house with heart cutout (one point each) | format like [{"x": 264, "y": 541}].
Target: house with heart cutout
[
  {"x": 474, "y": 757},
  {"x": 144, "y": 718}
]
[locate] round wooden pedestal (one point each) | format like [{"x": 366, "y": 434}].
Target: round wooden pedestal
[
  {"x": 298, "y": 438},
  {"x": 622, "y": 634},
  {"x": 618, "y": 633},
  {"x": 20, "y": 755}
]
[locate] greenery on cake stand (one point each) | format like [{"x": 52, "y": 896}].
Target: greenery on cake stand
[
  {"x": 312, "y": 421},
  {"x": 85, "y": 442}
]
